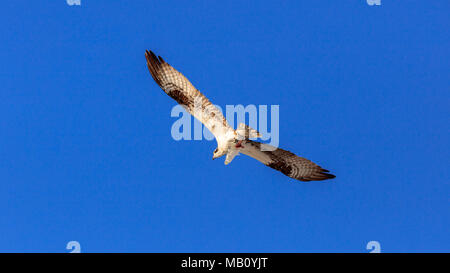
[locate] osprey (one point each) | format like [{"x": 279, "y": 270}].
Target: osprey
[{"x": 230, "y": 142}]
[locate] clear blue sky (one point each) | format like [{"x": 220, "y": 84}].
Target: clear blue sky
[{"x": 86, "y": 152}]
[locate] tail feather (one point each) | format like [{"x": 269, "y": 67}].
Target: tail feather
[{"x": 246, "y": 132}]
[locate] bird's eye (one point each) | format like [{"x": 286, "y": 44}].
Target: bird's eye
[{"x": 215, "y": 151}]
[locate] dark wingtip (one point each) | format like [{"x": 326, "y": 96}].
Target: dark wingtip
[
  {"x": 161, "y": 59},
  {"x": 154, "y": 58},
  {"x": 148, "y": 53},
  {"x": 152, "y": 55},
  {"x": 330, "y": 176},
  {"x": 153, "y": 65},
  {"x": 322, "y": 175},
  {"x": 326, "y": 176}
]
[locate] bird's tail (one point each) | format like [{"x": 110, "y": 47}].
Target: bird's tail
[
  {"x": 243, "y": 133},
  {"x": 246, "y": 132}
]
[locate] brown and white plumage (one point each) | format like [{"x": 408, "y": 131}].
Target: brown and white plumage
[
  {"x": 284, "y": 161},
  {"x": 178, "y": 87},
  {"x": 230, "y": 142}
]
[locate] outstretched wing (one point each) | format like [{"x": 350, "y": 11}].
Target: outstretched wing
[
  {"x": 178, "y": 87},
  {"x": 284, "y": 161}
]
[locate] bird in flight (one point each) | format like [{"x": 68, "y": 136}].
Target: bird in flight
[{"x": 230, "y": 142}]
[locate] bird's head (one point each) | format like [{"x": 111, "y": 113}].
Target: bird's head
[{"x": 218, "y": 153}]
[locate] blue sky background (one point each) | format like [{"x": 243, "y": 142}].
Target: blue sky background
[{"x": 86, "y": 152}]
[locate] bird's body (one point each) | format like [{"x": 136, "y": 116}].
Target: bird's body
[{"x": 230, "y": 142}]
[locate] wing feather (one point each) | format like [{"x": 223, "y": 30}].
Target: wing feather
[
  {"x": 286, "y": 162},
  {"x": 178, "y": 87}
]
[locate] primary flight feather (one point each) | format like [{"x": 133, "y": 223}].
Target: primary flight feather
[{"x": 230, "y": 142}]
